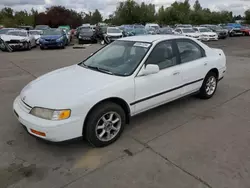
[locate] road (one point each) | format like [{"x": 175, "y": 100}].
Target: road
[{"x": 189, "y": 143}]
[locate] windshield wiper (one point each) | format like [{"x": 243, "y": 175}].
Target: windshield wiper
[{"x": 98, "y": 69}]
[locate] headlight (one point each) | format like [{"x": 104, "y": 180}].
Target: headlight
[
  {"x": 59, "y": 39},
  {"x": 50, "y": 114}
]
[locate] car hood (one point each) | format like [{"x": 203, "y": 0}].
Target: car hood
[
  {"x": 51, "y": 36},
  {"x": 64, "y": 87},
  {"x": 114, "y": 34},
  {"x": 11, "y": 37}
]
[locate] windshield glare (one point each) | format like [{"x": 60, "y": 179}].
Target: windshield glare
[
  {"x": 52, "y": 32},
  {"x": 114, "y": 30},
  {"x": 17, "y": 33},
  {"x": 188, "y": 31},
  {"x": 119, "y": 58},
  {"x": 202, "y": 30},
  {"x": 156, "y": 27}
]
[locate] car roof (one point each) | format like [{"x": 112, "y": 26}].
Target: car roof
[{"x": 151, "y": 38}]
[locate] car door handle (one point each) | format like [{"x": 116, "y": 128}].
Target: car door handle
[
  {"x": 176, "y": 73},
  {"x": 205, "y": 64}
]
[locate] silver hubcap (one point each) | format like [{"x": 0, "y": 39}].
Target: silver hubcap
[
  {"x": 108, "y": 126},
  {"x": 211, "y": 85}
]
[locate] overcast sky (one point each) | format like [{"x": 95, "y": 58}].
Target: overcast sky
[{"x": 108, "y": 6}]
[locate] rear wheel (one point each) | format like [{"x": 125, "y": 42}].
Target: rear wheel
[
  {"x": 209, "y": 86},
  {"x": 104, "y": 124}
]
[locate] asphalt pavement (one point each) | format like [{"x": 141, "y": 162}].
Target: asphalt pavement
[{"x": 189, "y": 143}]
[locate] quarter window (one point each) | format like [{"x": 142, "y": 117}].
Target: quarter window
[
  {"x": 189, "y": 51},
  {"x": 163, "y": 55}
]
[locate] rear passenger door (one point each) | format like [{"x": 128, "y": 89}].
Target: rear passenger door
[{"x": 193, "y": 63}]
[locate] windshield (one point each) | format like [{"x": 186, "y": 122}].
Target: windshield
[
  {"x": 41, "y": 27},
  {"x": 166, "y": 30},
  {"x": 186, "y": 26},
  {"x": 119, "y": 58},
  {"x": 86, "y": 30},
  {"x": 140, "y": 31},
  {"x": 114, "y": 30},
  {"x": 186, "y": 30},
  {"x": 35, "y": 32},
  {"x": 139, "y": 26},
  {"x": 52, "y": 32},
  {"x": 17, "y": 33},
  {"x": 202, "y": 30},
  {"x": 4, "y": 31},
  {"x": 156, "y": 27}
]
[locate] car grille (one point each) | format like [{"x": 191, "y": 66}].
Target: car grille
[
  {"x": 24, "y": 106},
  {"x": 13, "y": 41},
  {"x": 211, "y": 35},
  {"x": 50, "y": 40}
]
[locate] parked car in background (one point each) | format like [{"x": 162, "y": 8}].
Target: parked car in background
[
  {"x": 166, "y": 31},
  {"x": 37, "y": 34},
  {"x": 53, "y": 38},
  {"x": 222, "y": 33},
  {"x": 41, "y": 27},
  {"x": 97, "y": 97},
  {"x": 151, "y": 31},
  {"x": 127, "y": 31},
  {"x": 67, "y": 31},
  {"x": 139, "y": 31},
  {"x": 189, "y": 32},
  {"x": 87, "y": 35},
  {"x": 113, "y": 33},
  {"x": 233, "y": 31},
  {"x": 4, "y": 31},
  {"x": 245, "y": 30},
  {"x": 206, "y": 34},
  {"x": 155, "y": 26},
  {"x": 19, "y": 39}
]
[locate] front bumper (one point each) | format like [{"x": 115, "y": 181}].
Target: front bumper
[
  {"x": 208, "y": 38},
  {"x": 56, "y": 131},
  {"x": 54, "y": 44}
]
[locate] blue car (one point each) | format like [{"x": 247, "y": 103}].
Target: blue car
[{"x": 53, "y": 38}]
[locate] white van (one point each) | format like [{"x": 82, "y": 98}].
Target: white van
[{"x": 152, "y": 25}]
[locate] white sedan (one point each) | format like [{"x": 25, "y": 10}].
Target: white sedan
[
  {"x": 97, "y": 97},
  {"x": 206, "y": 34},
  {"x": 19, "y": 39},
  {"x": 189, "y": 32}
]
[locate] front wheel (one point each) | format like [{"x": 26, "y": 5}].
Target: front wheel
[
  {"x": 104, "y": 124},
  {"x": 209, "y": 86}
]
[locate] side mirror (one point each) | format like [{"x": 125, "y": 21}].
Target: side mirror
[{"x": 149, "y": 69}]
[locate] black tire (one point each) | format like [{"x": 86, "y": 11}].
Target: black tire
[
  {"x": 42, "y": 48},
  {"x": 203, "y": 94},
  {"x": 93, "y": 118},
  {"x": 29, "y": 46}
]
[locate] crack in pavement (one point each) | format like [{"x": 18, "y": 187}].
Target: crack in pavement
[
  {"x": 23, "y": 69},
  {"x": 146, "y": 146}
]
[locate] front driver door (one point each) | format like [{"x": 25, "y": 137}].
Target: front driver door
[{"x": 156, "y": 89}]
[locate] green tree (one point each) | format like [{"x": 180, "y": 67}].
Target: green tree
[
  {"x": 96, "y": 17},
  {"x": 247, "y": 16}
]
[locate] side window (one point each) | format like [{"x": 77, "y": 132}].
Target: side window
[
  {"x": 189, "y": 50},
  {"x": 195, "y": 29},
  {"x": 163, "y": 55}
]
